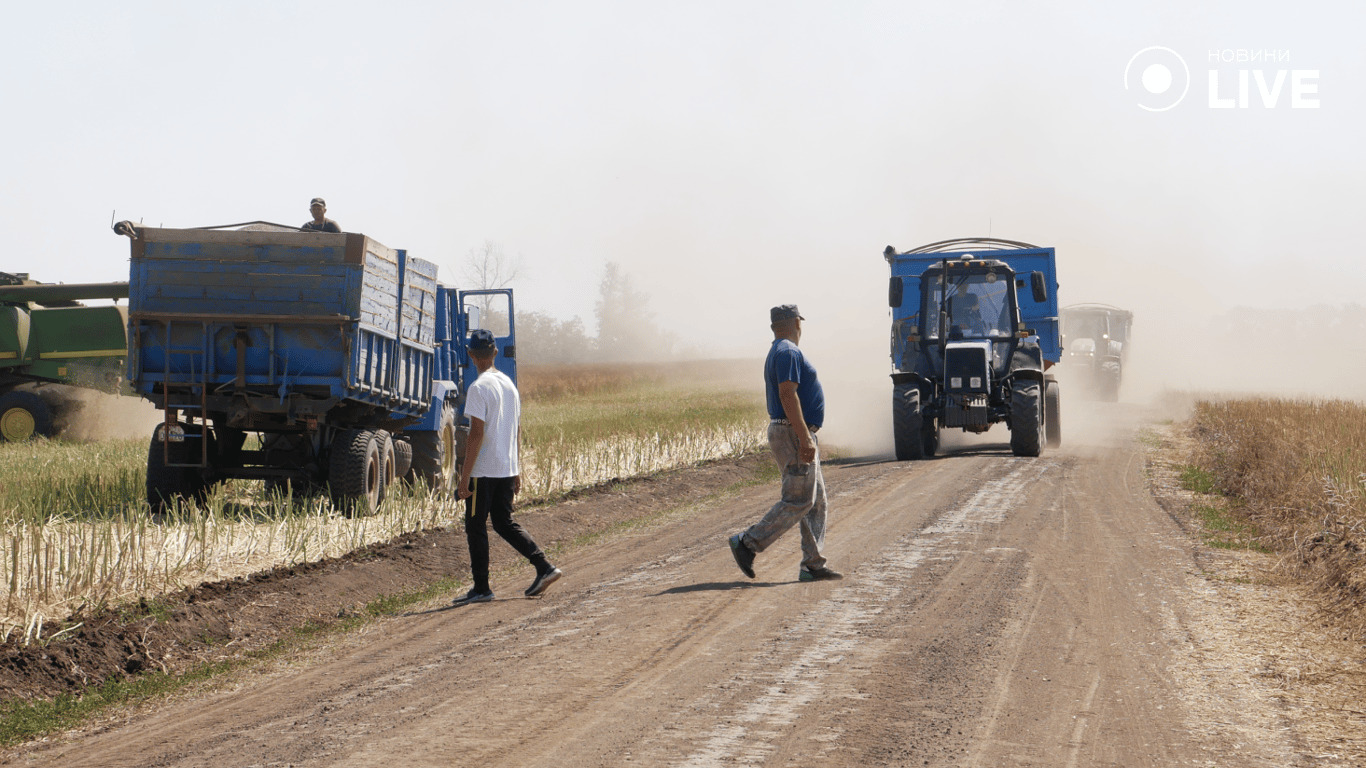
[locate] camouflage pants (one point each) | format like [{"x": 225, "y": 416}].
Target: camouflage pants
[{"x": 803, "y": 500}]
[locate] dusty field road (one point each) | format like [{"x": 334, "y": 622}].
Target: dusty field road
[{"x": 997, "y": 611}]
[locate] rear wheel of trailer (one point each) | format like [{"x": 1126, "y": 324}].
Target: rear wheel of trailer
[{"x": 355, "y": 471}]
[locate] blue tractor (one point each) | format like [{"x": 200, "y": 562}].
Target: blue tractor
[{"x": 974, "y": 331}]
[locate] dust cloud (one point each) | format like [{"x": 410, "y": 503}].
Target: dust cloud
[{"x": 87, "y": 415}]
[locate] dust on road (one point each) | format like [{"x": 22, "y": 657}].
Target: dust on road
[{"x": 997, "y": 611}]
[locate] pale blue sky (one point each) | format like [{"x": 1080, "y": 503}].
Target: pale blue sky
[{"x": 730, "y": 155}]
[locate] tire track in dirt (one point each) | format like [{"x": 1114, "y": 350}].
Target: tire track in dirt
[{"x": 829, "y": 637}]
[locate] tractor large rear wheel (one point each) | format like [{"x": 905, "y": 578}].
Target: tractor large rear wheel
[
  {"x": 907, "y": 423},
  {"x": 434, "y": 454},
  {"x": 1026, "y": 418}
]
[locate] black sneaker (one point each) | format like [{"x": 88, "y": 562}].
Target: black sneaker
[
  {"x": 819, "y": 574},
  {"x": 744, "y": 556},
  {"x": 474, "y": 596},
  {"x": 543, "y": 581}
]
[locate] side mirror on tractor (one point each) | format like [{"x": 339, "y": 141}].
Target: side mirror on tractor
[
  {"x": 1039, "y": 286},
  {"x": 894, "y": 290}
]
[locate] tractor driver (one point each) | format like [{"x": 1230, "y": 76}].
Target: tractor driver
[{"x": 965, "y": 312}]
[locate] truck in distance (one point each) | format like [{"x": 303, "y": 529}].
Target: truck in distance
[{"x": 974, "y": 331}]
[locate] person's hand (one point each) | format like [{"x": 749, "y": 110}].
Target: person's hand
[
  {"x": 462, "y": 489},
  {"x": 806, "y": 452},
  {"x": 516, "y": 484}
]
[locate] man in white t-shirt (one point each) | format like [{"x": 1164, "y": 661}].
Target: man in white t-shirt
[{"x": 491, "y": 476}]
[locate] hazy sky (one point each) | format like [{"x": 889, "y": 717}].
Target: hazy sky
[{"x": 729, "y": 155}]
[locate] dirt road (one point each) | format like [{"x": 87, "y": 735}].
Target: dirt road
[{"x": 997, "y": 611}]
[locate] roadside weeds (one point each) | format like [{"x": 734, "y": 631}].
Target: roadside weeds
[{"x": 1260, "y": 633}]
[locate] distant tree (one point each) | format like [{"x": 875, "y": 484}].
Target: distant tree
[
  {"x": 489, "y": 267},
  {"x": 543, "y": 339},
  {"x": 626, "y": 326}
]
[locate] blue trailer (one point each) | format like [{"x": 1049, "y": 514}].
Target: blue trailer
[
  {"x": 346, "y": 357},
  {"x": 974, "y": 332}
]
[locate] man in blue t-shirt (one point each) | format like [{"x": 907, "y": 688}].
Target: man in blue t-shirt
[{"x": 796, "y": 409}]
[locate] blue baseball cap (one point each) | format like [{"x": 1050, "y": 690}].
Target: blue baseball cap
[{"x": 481, "y": 339}]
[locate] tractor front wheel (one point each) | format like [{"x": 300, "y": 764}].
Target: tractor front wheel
[
  {"x": 907, "y": 426},
  {"x": 434, "y": 454}
]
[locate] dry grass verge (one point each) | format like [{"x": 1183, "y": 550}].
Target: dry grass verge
[{"x": 1296, "y": 471}]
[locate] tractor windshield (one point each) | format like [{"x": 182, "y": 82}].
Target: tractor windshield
[
  {"x": 977, "y": 306},
  {"x": 1084, "y": 325}
]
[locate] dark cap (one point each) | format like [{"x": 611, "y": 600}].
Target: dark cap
[
  {"x": 317, "y": 201},
  {"x": 784, "y": 312},
  {"x": 481, "y": 340}
]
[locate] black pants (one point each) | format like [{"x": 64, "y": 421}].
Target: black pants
[{"x": 492, "y": 498}]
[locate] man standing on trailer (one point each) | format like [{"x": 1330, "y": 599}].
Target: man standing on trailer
[
  {"x": 320, "y": 223},
  {"x": 796, "y": 407},
  {"x": 491, "y": 476}
]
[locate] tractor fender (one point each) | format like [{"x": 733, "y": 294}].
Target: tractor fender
[
  {"x": 1026, "y": 362},
  {"x": 441, "y": 392}
]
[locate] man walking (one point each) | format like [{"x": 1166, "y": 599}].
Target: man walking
[
  {"x": 490, "y": 476},
  {"x": 320, "y": 222},
  {"x": 796, "y": 407}
]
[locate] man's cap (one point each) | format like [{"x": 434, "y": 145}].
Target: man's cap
[
  {"x": 784, "y": 312},
  {"x": 481, "y": 340},
  {"x": 318, "y": 201}
]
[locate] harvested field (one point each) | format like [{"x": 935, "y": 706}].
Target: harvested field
[{"x": 76, "y": 534}]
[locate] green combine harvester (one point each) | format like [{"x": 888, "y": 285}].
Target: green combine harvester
[{"x": 49, "y": 342}]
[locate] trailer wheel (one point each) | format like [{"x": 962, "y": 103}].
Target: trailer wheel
[
  {"x": 1026, "y": 418},
  {"x": 166, "y": 483},
  {"x": 355, "y": 471},
  {"x": 23, "y": 415},
  {"x": 390, "y": 458},
  {"x": 434, "y": 454},
  {"x": 906, "y": 423},
  {"x": 1052, "y": 413},
  {"x": 403, "y": 457}
]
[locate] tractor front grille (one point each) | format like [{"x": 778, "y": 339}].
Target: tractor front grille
[{"x": 966, "y": 411}]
